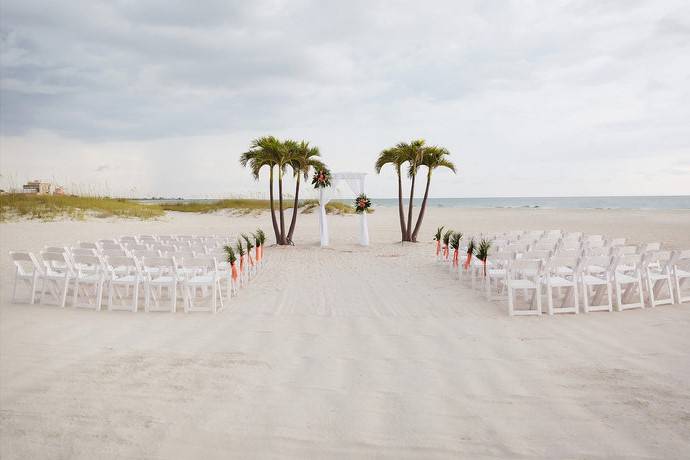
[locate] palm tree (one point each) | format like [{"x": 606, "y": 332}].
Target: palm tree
[
  {"x": 302, "y": 159},
  {"x": 433, "y": 157},
  {"x": 413, "y": 153},
  {"x": 265, "y": 151},
  {"x": 395, "y": 157}
]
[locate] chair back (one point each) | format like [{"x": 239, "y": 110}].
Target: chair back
[
  {"x": 119, "y": 266},
  {"x": 556, "y": 264},
  {"x": 593, "y": 265},
  {"x": 25, "y": 262},
  {"x": 57, "y": 262},
  {"x": 616, "y": 242},
  {"x": 624, "y": 250},
  {"x": 90, "y": 264},
  {"x": 159, "y": 266}
]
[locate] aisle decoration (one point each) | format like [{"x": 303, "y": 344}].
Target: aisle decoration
[
  {"x": 362, "y": 203},
  {"x": 446, "y": 242},
  {"x": 249, "y": 245},
  {"x": 470, "y": 250},
  {"x": 455, "y": 244},
  {"x": 232, "y": 259},
  {"x": 260, "y": 238},
  {"x": 240, "y": 251},
  {"x": 437, "y": 238},
  {"x": 483, "y": 252},
  {"x": 321, "y": 179}
]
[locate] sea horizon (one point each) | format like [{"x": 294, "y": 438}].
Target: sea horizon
[{"x": 669, "y": 202}]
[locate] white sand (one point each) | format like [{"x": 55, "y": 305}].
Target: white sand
[{"x": 346, "y": 352}]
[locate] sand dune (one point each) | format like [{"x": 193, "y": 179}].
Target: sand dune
[{"x": 347, "y": 352}]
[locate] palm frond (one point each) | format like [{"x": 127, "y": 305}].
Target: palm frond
[
  {"x": 439, "y": 233},
  {"x": 230, "y": 254},
  {"x": 447, "y": 236},
  {"x": 482, "y": 251}
]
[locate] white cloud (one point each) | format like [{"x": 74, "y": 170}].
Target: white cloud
[{"x": 545, "y": 98}]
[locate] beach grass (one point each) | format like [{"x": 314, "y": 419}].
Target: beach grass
[{"x": 50, "y": 207}]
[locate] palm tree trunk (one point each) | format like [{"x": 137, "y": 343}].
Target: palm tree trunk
[
  {"x": 280, "y": 204},
  {"x": 409, "y": 212},
  {"x": 420, "y": 217},
  {"x": 273, "y": 214},
  {"x": 401, "y": 211},
  {"x": 294, "y": 211}
]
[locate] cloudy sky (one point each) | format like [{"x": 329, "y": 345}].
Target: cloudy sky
[{"x": 532, "y": 98}]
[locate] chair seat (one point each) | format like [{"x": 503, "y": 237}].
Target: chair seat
[
  {"x": 564, "y": 271},
  {"x": 163, "y": 280},
  {"x": 654, "y": 275},
  {"x": 591, "y": 280},
  {"x": 559, "y": 281},
  {"x": 522, "y": 284},
  {"x": 202, "y": 280},
  {"x": 682, "y": 273},
  {"x": 625, "y": 279},
  {"x": 496, "y": 272},
  {"x": 129, "y": 279},
  {"x": 595, "y": 269},
  {"x": 91, "y": 278}
]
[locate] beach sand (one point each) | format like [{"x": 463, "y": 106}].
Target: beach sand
[{"x": 346, "y": 352}]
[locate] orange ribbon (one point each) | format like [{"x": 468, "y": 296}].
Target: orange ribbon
[
  {"x": 234, "y": 271},
  {"x": 438, "y": 247},
  {"x": 258, "y": 254},
  {"x": 455, "y": 258},
  {"x": 467, "y": 262},
  {"x": 242, "y": 264}
]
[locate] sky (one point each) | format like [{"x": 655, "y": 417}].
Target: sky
[{"x": 532, "y": 98}]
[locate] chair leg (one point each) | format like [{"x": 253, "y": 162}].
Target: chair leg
[{"x": 549, "y": 293}]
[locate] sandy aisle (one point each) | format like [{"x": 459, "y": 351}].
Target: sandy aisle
[{"x": 346, "y": 352}]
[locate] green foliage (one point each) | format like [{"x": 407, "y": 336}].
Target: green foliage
[
  {"x": 471, "y": 246},
  {"x": 260, "y": 237},
  {"x": 455, "y": 240},
  {"x": 212, "y": 206},
  {"x": 482, "y": 251},
  {"x": 333, "y": 207},
  {"x": 240, "y": 248},
  {"x": 230, "y": 254},
  {"x": 49, "y": 207},
  {"x": 447, "y": 236},
  {"x": 248, "y": 242},
  {"x": 439, "y": 233}
]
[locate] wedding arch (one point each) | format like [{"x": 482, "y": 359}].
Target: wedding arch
[{"x": 355, "y": 182}]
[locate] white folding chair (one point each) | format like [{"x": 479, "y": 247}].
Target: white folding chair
[
  {"x": 524, "y": 275},
  {"x": 88, "y": 281},
  {"x": 201, "y": 284},
  {"x": 161, "y": 276},
  {"x": 613, "y": 242},
  {"x": 680, "y": 270},
  {"x": 124, "y": 281},
  {"x": 27, "y": 271},
  {"x": 88, "y": 245},
  {"x": 57, "y": 276},
  {"x": 596, "y": 283},
  {"x": 657, "y": 275},
  {"x": 562, "y": 276},
  {"x": 627, "y": 280},
  {"x": 496, "y": 273}
]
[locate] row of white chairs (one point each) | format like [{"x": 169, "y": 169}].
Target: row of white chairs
[
  {"x": 202, "y": 280},
  {"x": 630, "y": 278}
]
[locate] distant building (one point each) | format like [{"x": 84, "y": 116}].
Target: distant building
[
  {"x": 59, "y": 190},
  {"x": 38, "y": 187}
]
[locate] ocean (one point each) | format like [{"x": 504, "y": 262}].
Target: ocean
[{"x": 578, "y": 202}]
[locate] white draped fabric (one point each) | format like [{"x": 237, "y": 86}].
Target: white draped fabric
[{"x": 355, "y": 182}]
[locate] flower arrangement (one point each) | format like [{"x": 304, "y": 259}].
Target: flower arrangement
[
  {"x": 321, "y": 179},
  {"x": 362, "y": 204},
  {"x": 437, "y": 238}
]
